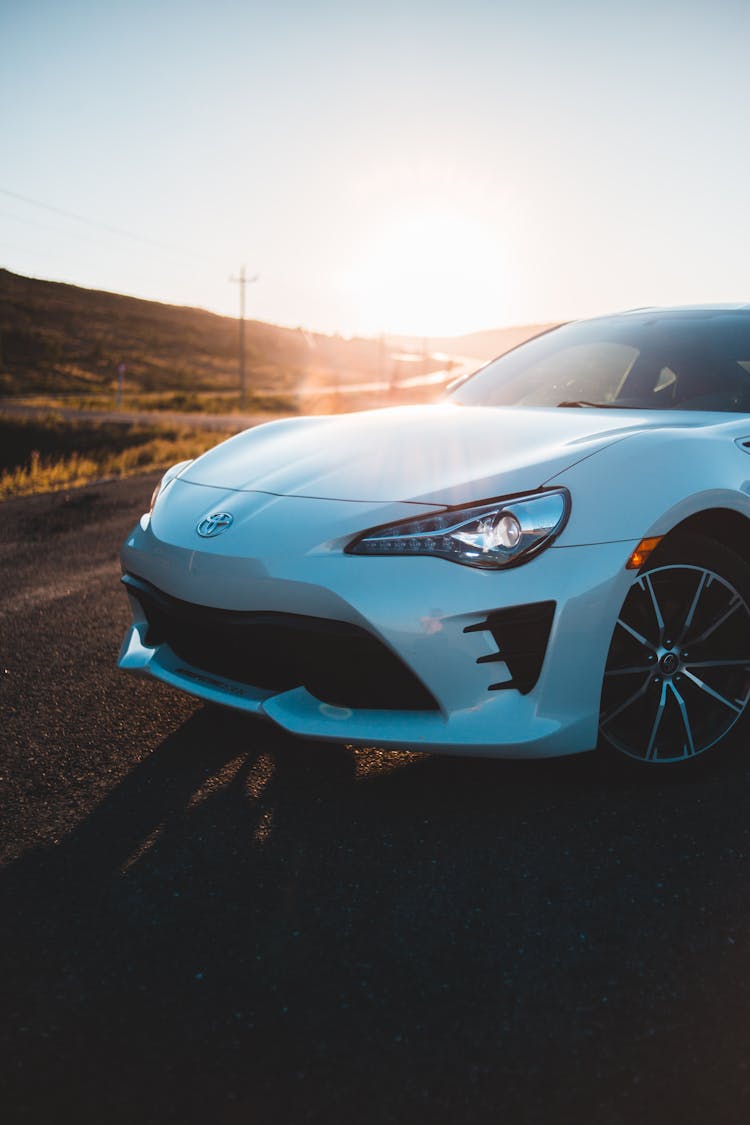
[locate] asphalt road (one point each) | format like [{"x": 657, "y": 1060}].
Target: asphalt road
[{"x": 204, "y": 920}]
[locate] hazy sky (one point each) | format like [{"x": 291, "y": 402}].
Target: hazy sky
[{"x": 417, "y": 166}]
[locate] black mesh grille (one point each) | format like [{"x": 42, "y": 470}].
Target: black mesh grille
[
  {"x": 521, "y": 633},
  {"x": 337, "y": 662}
]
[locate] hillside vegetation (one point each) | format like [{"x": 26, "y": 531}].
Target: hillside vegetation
[{"x": 58, "y": 339}]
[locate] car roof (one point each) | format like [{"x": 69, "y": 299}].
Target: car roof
[{"x": 685, "y": 310}]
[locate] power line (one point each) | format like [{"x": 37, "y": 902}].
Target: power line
[
  {"x": 47, "y": 226},
  {"x": 119, "y": 231}
]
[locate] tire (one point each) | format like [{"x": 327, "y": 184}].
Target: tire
[{"x": 677, "y": 678}]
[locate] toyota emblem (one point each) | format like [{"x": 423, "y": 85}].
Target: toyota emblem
[{"x": 214, "y": 524}]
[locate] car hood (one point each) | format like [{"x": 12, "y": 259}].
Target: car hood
[{"x": 433, "y": 454}]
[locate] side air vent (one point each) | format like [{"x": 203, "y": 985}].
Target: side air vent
[
  {"x": 743, "y": 443},
  {"x": 521, "y": 633}
]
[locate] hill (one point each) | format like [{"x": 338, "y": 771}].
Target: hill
[{"x": 63, "y": 339}]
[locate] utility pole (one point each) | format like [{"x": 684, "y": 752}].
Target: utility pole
[{"x": 242, "y": 281}]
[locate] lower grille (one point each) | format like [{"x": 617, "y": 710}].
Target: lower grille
[
  {"x": 338, "y": 663},
  {"x": 521, "y": 633}
]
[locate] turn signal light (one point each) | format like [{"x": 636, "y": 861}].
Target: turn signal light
[{"x": 641, "y": 553}]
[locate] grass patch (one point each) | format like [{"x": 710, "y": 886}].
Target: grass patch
[
  {"x": 45, "y": 455},
  {"x": 176, "y": 402}
]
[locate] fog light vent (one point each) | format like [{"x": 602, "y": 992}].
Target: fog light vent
[{"x": 521, "y": 633}]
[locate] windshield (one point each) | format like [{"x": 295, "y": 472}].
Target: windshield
[{"x": 645, "y": 361}]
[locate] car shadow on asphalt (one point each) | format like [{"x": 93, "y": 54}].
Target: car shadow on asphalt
[{"x": 249, "y": 925}]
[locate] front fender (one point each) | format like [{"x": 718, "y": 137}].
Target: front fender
[{"x": 650, "y": 482}]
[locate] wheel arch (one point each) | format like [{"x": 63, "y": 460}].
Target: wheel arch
[{"x": 730, "y": 528}]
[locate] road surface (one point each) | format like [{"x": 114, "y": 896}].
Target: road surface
[{"x": 203, "y": 920}]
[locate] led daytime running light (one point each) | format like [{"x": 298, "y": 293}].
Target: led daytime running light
[{"x": 490, "y": 536}]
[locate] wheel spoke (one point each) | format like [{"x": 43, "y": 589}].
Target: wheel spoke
[
  {"x": 685, "y": 719},
  {"x": 740, "y": 663},
  {"x": 738, "y": 708},
  {"x": 735, "y": 604},
  {"x": 657, "y": 722},
  {"x": 649, "y": 587},
  {"x": 694, "y": 605},
  {"x": 641, "y": 670},
  {"x": 623, "y": 706},
  {"x": 637, "y": 636}
]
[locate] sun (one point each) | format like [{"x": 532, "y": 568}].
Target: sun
[{"x": 430, "y": 272}]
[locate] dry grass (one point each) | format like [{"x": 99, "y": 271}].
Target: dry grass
[
  {"x": 61, "y": 454},
  {"x": 180, "y": 402}
]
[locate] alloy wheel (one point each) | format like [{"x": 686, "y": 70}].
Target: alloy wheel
[{"x": 677, "y": 677}]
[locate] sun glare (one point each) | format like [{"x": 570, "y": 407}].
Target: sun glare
[{"x": 429, "y": 272}]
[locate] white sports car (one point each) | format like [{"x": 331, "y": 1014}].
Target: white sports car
[{"x": 556, "y": 556}]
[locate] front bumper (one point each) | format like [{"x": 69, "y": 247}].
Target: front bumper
[{"x": 430, "y": 613}]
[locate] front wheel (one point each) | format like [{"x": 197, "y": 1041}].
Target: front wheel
[{"x": 677, "y": 677}]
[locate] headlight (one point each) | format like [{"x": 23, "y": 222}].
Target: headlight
[
  {"x": 165, "y": 480},
  {"x": 496, "y": 534}
]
